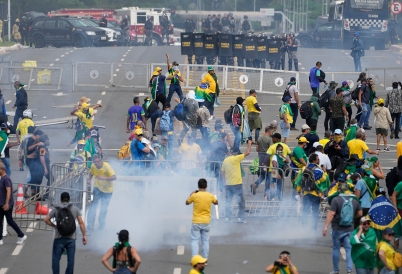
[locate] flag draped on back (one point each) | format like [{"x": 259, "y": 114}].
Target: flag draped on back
[
  {"x": 363, "y": 252},
  {"x": 333, "y": 191},
  {"x": 383, "y": 214},
  {"x": 202, "y": 93}
]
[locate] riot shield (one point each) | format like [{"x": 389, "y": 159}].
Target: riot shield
[
  {"x": 225, "y": 44},
  {"x": 262, "y": 52},
  {"x": 273, "y": 49},
  {"x": 187, "y": 44},
  {"x": 250, "y": 44},
  {"x": 238, "y": 46},
  {"x": 210, "y": 45},
  {"x": 198, "y": 39}
]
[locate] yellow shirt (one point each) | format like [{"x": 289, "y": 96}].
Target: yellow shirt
[
  {"x": 250, "y": 102},
  {"x": 107, "y": 171},
  {"x": 83, "y": 118},
  {"x": 173, "y": 74},
  {"x": 324, "y": 141},
  {"x": 208, "y": 79},
  {"x": 232, "y": 169},
  {"x": 23, "y": 126},
  {"x": 389, "y": 254},
  {"x": 202, "y": 206},
  {"x": 189, "y": 155},
  {"x": 194, "y": 271},
  {"x": 272, "y": 150},
  {"x": 286, "y": 269},
  {"x": 398, "y": 149},
  {"x": 357, "y": 146}
]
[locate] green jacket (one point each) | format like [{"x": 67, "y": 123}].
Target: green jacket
[
  {"x": 315, "y": 108},
  {"x": 364, "y": 249}
]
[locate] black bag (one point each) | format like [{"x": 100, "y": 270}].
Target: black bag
[
  {"x": 355, "y": 93},
  {"x": 286, "y": 93},
  {"x": 392, "y": 179},
  {"x": 308, "y": 180},
  {"x": 65, "y": 221},
  {"x": 305, "y": 110},
  {"x": 339, "y": 169},
  {"x": 131, "y": 260},
  {"x": 325, "y": 99},
  {"x": 228, "y": 115}
]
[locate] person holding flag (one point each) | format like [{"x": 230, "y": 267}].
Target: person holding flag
[
  {"x": 202, "y": 94},
  {"x": 157, "y": 83}
]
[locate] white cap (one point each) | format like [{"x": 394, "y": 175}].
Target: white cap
[
  {"x": 338, "y": 131},
  {"x": 316, "y": 144},
  {"x": 305, "y": 126}
]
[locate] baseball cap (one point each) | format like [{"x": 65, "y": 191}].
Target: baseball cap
[
  {"x": 166, "y": 105},
  {"x": 3, "y": 125},
  {"x": 239, "y": 100},
  {"x": 345, "y": 83},
  {"x": 94, "y": 133},
  {"x": 305, "y": 126},
  {"x": 303, "y": 140},
  {"x": 221, "y": 135},
  {"x": 317, "y": 144},
  {"x": 388, "y": 231},
  {"x": 381, "y": 101},
  {"x": 197, "y": 259},
  {"x": 65, "y": 196},
  {"x": 286, "y": 99},
  {"x": 210, "y": 68},
  {"x": 164, "y": 137},
  {"x": 292, "y": 79},
  {"x": 357, "y": 34},
  {"x": 234, "y": 149},
  {"x": 338, "y": 131},
  {"x": 342, "y": 177},
  {"x": 364, "y": 219},
  {"x": 277, "y": 135},
  {"x": 138, "y": 131}
]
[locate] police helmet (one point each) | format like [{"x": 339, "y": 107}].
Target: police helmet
[
  {"x": 24, "y": 18},
  {"x": 125, "y": 16},
  {"x": 230, "y": 14},
  {"x": 272, "y": 36},
  {"x": 284, "y": 36},
  {"x": 291, "y": 33},
  {"x": 245, "y": 17},
  {"x": 104, "y": 15},
  {"x": 240, "y": 32},
  {"x": 27, "y": 113},
  {"x": 17, "y": 20}
]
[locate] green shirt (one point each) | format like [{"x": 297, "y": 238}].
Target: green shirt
[
  {"x": 316, "y": 110},
  {"x": 298, "y": 153},
  {"x": 398, "y": 190}
]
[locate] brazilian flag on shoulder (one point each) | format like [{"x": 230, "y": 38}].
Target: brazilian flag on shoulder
[
  {"x": 383, "y": 214},
  {"x": 202, "y": 92}
]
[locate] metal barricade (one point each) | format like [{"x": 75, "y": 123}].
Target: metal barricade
[
  {"x": 93, "y": 74},
  {"x": 242, "y": 79},
  {"x": 383, "y": 77},
  {"x": 275, "y": 81},
  {"x": 131, "y": 75}
]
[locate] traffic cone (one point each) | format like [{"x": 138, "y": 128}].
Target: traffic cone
[
  {"x": 20, "y": 201},
  {"x": 41, "y": 209}
]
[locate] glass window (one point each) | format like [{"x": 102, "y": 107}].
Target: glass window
[
  {"x": 367, "y": 4},
  {"x": 50, "y": 24},
  {"x": 141, "y": 17},
  {"x": 325, "y": 28},
  {"x": 61, "y": 24},
  {"x": 38, "y": 23}
]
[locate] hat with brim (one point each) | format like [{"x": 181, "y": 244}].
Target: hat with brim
[
  {"x": 84, "y": 99},
  {"x": 210, "y": 68},
  {"x": 156, "y": 71},
  {"x": 197, "y": 259}
]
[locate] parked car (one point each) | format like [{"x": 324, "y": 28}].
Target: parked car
[{"x": 327, "y": 35}]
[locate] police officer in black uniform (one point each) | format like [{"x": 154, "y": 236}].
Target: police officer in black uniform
[
  {"x": 282, "y": 52},
  {"x": 273, "y": 64},
  {"x": 225, "y": 24},
  {"x": 165, "y": 24},
  {"x": 149, "y": 27},
  {"x": 103, "y": 21},
  {"x": 189, "y": 24},
  {"x": 206, "y": 25},
  {"x": 125, "y": 26},
  {"x": 232, "y": 23},
  {"x": 246, "y": 25},
  {"x": 23, "y": 29},
  {"x": 216, "y": 24}
]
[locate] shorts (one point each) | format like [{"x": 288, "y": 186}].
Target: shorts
[
  {"x": 382, "y": 131},
  {"x": 285, "y": 130}
]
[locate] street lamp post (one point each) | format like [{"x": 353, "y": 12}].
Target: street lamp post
[{"x": 9, "y": 20}]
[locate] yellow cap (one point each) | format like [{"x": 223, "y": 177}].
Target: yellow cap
[
  {"x": 303, "y": 140},
  {"x": 138, "y": 131},
  {"x": 197, "y": 259},
  {"x": 81, "y": 142},
  {"x": 381, "y": 101}
]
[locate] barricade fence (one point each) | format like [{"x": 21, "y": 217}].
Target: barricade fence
[{"x": 384, "y": 77}]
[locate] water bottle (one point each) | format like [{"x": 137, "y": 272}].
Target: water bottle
[{"x": 325, "y": 86}]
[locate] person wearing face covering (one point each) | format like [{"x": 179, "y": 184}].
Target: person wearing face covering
[
  {"x": 85, "y": 113},
  {"x": 38, "y": 167},
  {"x": 337, "y": 149},
  {"x": 7, "y": 128},
  {"x": 79, "y": 157},
  {"x": 190, "y": 105}
]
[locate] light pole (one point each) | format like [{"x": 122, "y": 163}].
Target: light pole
[{"x": 9, "y": 21}]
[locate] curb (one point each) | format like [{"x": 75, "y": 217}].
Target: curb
[{"x": 396, "y": 48}]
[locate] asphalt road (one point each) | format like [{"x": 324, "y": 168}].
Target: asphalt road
[{"x": 235, "y": 248}]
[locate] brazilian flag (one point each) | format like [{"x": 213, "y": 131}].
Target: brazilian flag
[
  {"x": 333, "y": 191},
  {"x": 383, "y": 214},
  {"x": 372, "y": 185},
  {"x": 202, "y": 93},
  {"x": 155, "y": 86},
  {"x": 321, "y": 182}
]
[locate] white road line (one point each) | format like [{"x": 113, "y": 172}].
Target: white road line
[
  {"x": 103, "y": 92},
  {"x": 95, "y": 111},
  {"x": 57, "y": 59},
  {"x": 62, "y": 56},
  {"x": 99, "y": 102},
  {"x": 122, "y": 60},
  {"x": 303, "y": 68},
  {"x": 114, "y": 75},
  {"x": 180, "y": 250},
  {"x": 31, "y": 227},
  {"x": 51, "y": 65},
  {"x": 124, "y": 55},
  {"x": 119, "y": 65},
  {"x": 4, "y": 270},
  {"x": 175, "y": 271},
  {"x": 9, "y": 101},
  {"x": 117, "y": 69},
  {"x": 300, "y": 64},
  {"x": 17, "y": 250},
  {"x": 66, "y": 52},
  {"x": 182, "y": 229},
  {"x": 381, "y": 85},
  {"x": 59, "y": 93},
  {"x": 129, "y": 50}
]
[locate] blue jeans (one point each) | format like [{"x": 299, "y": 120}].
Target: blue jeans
[
  {"x": 364, "y": 270},
  {"x": 154, "y": 117},
  {"x": 198, "y": 230},
  {"x": 104, "y": 198},
  {"x": 237, "y": 136},
  {"x": 216, "y": 172},
  {"x": 358, "y": 64},
  {"x": 337, "y": 239},
  {"x": 278, "y": 193},
  {"x": 172, "y": 89},
  {"x": 237, "y": 191},
  {"x": 170, "y": 142},
  {"x": 210, "y": 105},
  {"x": 314, "y": 202},
  {"x": 58, "y": 248},
  {"x": 386, "y": 271},
  {"x": 364, "y": 118},
  {"x": 295, "y": 111},
  {"x": 122, "y": 270},
  {"x": 6, "y": 162}
]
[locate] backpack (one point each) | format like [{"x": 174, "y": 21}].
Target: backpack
[
  {"x": 340, "y": 169},
  {"x": 324, "y": 99},
  {"x": 355, "y": 92},
  {"x": 347, "y": 212},
  {"x": 181, "y": 115},
  {"x": 124, "y": 152},
  {"x": 131, "y": 261},
  {"x": 228, "y": 115},
  {"x": 286, "y": 92},
  {"x": 255, "y": 164},
  {"x": 308, "y": 180},
  {"x": 65, "y": 221},
  {"x": 392, "y": 179},
  {"x": 165, "y": 124},
  {"x": 305, "y": 110}
]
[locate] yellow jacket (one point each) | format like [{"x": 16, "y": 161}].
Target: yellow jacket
[
  {"x": 208, "y": 79},
  {"x": 15, "y": 30}
]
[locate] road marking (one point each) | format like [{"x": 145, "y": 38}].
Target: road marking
[
  {"x": 4, "y": 270},
  {"x": 114, "y": 75},
  {"x": 32, "y": 80},
  {"x": 17, "y": 250},
  {"x": 59, "y": 93},
  {"x": 182, "y": 229},
  {"x": 62, "y": 56},
  {"x": 99, "y": 102},
  {"x": 122, "y": 60},
  {"x": 180, "y": 250},
  {"x": 31, "y": 227},
  {"x": 9, "y": 101},
  {"x": 57, "y": 59},
  {"x": 300, "y": 64},
  {"x": 51, "y": 65},
  {"x": 381, "y": 85},
  {"x": 71, "y": 50},
  {"x": 175, "y": 271},
  {"x": 129, "y": 50},
  {"x": 117, "y": 69},
  {"x": 119, "y": 65},
  {"x": 66, "y": 52},
  {"x": 103, "y": 92},
  {"x": 124, "y": 55},
  {"x": 303, "y": 68},
  {"x": 95, "y": 111}
]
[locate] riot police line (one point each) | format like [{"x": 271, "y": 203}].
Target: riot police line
[{"x": 250, "y": 50}]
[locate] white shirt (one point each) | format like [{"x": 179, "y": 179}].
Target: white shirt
[
  {"x": 324, "y": 160},
  {"x": 292, "y": 90}
]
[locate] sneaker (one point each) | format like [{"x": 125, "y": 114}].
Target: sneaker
[
  {"x": 240, "y": 221},
  {"x": 1, "y": 242},
  {"x": 379, "y": 148},
  {"x": 392, "y": 134},
  {"x": 253, "y": 188},
  {"x": 386, "y": 149},
  {"x": 334, "y": 272},
  {"x": 350, "y": 271},
  {"x": 21, "y": 240},
  {"x": 293, "y": 128},
  {"x": 210, "y": 118}
]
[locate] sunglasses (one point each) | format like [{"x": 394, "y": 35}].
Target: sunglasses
[
  {"x": 392, "y": 234},
  {"x": 366, "y": 223}
]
